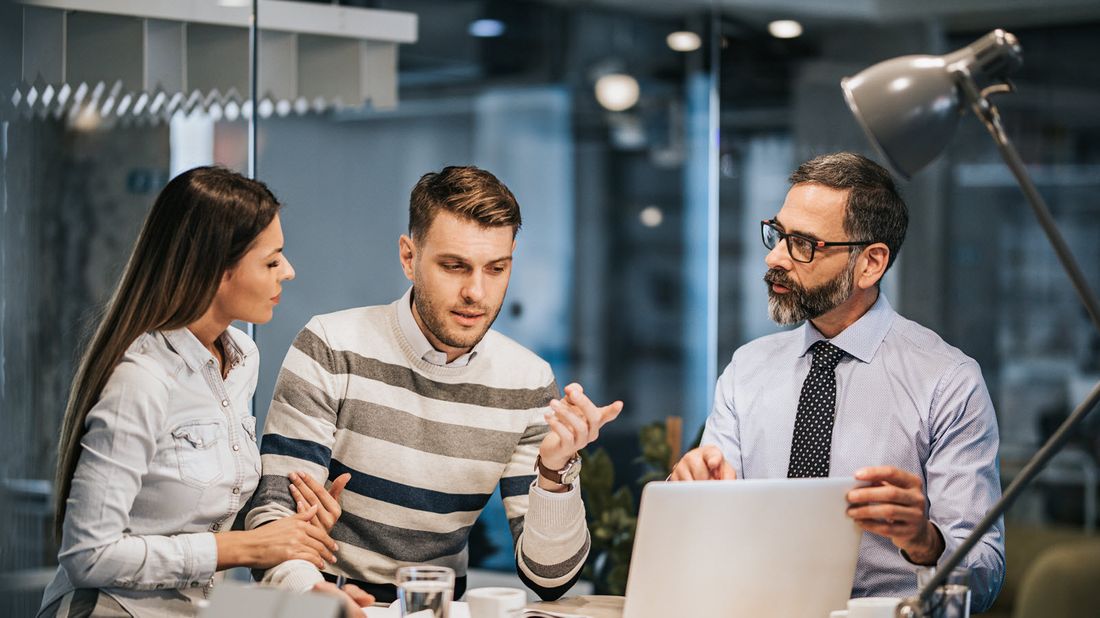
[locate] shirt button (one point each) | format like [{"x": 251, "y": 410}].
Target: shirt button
[
  {"x": 236, "y": 490},
  {"x": 225, "y": 403},
  {"x": 210, "y": 362},
  {"x": 215, "y": 526},
  {"x": 236, "y": 447}
]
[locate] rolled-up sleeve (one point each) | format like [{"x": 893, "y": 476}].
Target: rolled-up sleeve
[{"x": 97, "y": 549}]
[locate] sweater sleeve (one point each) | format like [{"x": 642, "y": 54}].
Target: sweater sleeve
[
  {"x": 298, "y": 437},
  {"x": 549, "y": 529}
]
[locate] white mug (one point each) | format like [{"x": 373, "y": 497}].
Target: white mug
[
  {"x": 873, "y": 607},
  {"x": 496, "y": 602}
]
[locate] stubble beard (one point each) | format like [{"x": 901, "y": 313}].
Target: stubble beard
[{"x": 434, "y": 318}]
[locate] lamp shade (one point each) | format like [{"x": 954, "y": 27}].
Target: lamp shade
[{"x": 909, "y": 108}]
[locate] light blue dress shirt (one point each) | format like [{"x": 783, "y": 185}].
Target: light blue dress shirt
[
  {"x": 168, "y": 459},
  {"x": 905, "y": 398}
]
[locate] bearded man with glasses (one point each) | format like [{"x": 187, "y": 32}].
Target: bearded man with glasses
[{"x": 858, "y": 390}]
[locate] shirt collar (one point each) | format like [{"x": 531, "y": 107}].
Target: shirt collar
[
  {"x": 861, "y": 339},
  {"x": 420, "y": 344},
  {"x": 195, "y": 354}
]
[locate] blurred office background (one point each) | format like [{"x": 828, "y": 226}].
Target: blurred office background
[{"x": 643, "y": 163}]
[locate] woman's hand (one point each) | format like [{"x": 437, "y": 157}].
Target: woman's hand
[
  {"x": 290, "y": 538},
  {"x": 307, "y": 492}
]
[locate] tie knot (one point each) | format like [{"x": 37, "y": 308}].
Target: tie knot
[{"x": 826, "y": 355}]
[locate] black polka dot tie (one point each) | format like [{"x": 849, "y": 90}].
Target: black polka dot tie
[{"x": 813, "y": 427}]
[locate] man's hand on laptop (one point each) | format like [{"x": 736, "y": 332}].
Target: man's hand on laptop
[
  {"x": 705, "y": 463},
  {"x": 893, "y": 506}
]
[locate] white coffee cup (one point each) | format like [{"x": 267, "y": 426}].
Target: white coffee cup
[
  {"x": 873, "y": 607},
  {"x": 496, "y": 602}
]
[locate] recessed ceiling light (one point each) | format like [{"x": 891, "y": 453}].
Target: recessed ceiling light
[
  {"x": 785, "y": 29},
  {"x": 617, "y": 91},
  {"x": 683, "y": 41},
  {"x": 486, "y": 28}
]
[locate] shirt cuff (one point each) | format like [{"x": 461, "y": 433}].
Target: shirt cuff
[
  {"x": 202, "y": 552},
  {"x": 949, "y": 545},
  {"x": 550, "y": 511},
  {"x": 296, "y": 575}
]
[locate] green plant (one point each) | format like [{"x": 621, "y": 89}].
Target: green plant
[{"x": 612, "y": 513}]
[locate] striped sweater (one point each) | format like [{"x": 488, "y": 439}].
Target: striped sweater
[{"x": 426, "y": 445}]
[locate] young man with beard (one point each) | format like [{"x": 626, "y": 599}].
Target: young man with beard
[
  {"x": 858, "y": 390},
  {"x": 429, "y": 410}
]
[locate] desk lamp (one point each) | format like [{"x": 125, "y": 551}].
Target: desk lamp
[{"x": 909, "y": 108}]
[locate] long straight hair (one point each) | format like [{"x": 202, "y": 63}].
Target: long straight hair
[{"x": 200, "y": 226}]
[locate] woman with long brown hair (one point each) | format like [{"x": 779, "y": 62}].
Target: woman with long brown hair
[{"x": 158, "y": 448}]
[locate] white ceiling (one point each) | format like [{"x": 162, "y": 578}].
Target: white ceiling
[{"x": 952, "y": 13}]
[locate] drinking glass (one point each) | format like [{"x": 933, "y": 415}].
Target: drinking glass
[
  {"x": 952, "y": 598},
  {"x": 425, "y": 590}
]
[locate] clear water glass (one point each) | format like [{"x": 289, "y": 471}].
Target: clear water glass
[
  {"x": 425, "y": 591},
  {"x": 952, "y": 598}
]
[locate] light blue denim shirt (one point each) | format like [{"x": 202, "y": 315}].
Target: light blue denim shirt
[
  {"x": 168, "y": 459},
  {"x": 904, "y": 399}
]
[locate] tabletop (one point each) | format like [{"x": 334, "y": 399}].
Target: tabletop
[{"x": 594, "y": 606}]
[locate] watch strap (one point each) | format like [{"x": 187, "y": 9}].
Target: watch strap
[{"x": 552, "y": 475}]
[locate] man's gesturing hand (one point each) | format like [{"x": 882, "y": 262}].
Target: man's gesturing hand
[{"x": 575, "y": 423}]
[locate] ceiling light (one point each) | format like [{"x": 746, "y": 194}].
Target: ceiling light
[
  {"x": 486, "y": 28},
  {"x": 683, "y": 41},
  {"x": 617, "y": 91},
  {"x": 785, "y": 29},
  {"x": 651, "y": 216}
]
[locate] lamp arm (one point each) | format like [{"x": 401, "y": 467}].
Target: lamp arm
[{"x": 991, "y": 118}]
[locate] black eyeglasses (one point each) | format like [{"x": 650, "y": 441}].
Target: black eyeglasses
[{"x": 800, "y": 248}]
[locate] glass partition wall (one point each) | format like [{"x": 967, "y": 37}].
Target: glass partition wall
[
  {"x": 596, "y": 121},
  {"x": 643, "y": 163}
]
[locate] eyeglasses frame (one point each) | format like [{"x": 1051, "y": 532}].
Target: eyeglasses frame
[{"x": 814, "y": 243}]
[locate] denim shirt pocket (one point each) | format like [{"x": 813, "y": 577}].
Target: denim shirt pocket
[{"x": 197, "y": 452}]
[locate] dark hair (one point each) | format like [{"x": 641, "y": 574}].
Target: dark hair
[
  {"x": 202, "y": 224},
  {"x": 466, "y": 191},
  {"x": 875, "y": 210}
]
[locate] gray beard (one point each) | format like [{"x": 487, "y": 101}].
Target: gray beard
[{"x": 801, "y": 304}]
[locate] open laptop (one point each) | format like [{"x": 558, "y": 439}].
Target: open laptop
[{"x": 743, "y": 549}]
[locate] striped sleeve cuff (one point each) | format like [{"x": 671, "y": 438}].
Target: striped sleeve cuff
[{"x": 555, "y": 539}]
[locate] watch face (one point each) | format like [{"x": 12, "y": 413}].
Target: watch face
[{"x": 571, "y": 472}]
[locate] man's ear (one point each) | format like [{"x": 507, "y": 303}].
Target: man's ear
[
  {"x": 406, "y": 252},
  {"x": 872, "y": 265}
]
